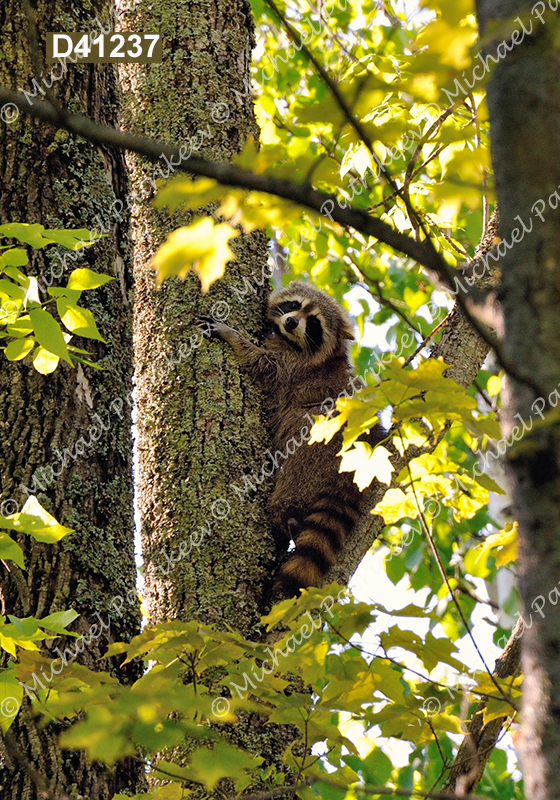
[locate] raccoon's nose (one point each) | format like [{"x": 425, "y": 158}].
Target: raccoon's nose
[{"x": 291, "y": 323}]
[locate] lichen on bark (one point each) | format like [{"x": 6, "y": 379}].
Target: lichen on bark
[{"x": 51, "y": 178}]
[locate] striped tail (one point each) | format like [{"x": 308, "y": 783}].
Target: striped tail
[{"x": 320, "y": 538}]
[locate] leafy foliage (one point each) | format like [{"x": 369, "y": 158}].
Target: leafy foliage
[
  {"x": 35, "y": 521},
  {"x": 319, "y": 677},
  {"x": 384, "y": 115},
  {"x": 28, "y": 326}
]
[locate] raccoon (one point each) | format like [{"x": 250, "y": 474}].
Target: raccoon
[{"x": 303, "y": 367}]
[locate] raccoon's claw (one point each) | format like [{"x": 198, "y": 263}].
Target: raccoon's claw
[
  {"x": 212, "y": 327},
  {"x": 207, "y": 325}
]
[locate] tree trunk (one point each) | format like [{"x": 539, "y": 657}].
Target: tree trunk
[
  {"x": 524, "y": 103},
  {"x": 49, "y": 423},
  {"x": 199, "y": 421},
  {"x": 208, "y": 549}
]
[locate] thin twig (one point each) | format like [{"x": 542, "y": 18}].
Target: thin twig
[
  {"x": 450, "y": 590},
  {"x": 434, "y": 734},
  {"x": 427, "y": 339},
  {"x": 487, "y": 399},
  {"x": 376, "y": 291},
  {"x": 341, "y": 101},
  {"x": 432, "y": 129},
  {"x": 405, "y": 668}
]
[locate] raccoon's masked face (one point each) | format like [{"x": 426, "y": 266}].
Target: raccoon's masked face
[
  {"x": 299, "y": 324},
  {"x": 303, "y": 320}
]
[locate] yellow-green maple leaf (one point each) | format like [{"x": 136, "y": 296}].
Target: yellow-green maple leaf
[
  {"x": 202, "y": 245},
  {"x": 368, "y": 463}
]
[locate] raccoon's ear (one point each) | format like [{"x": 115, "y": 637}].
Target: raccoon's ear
[{"x": 348, "y": 333}]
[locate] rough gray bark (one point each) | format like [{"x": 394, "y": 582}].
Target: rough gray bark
[
  {"x": 200, "y": 429},
  {"x": 524, "y": 106},
  {"x": 199, "y": 423},
  {"x": 50, "y": 178}
]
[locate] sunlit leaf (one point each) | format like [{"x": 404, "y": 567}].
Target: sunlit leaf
[
  {"x": 48, "y": 333},
  {"x": 368, "y": 463},
  {"x": 18, "y": 349},
  {"x": 78, "y": 320},
  {"x": 203, "y": 245},
  {"x": 87, "y": 279}
]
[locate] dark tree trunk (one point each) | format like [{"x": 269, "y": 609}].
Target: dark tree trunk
[
  {"x": 50, "y": 178},
  {"x": 524, "y": 105}
]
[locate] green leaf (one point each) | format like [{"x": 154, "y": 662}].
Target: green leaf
[
  {"x": 11, "y": 696},
  {"x": 59, "y": 621},
  {"x": 327, "y": 791},
  {"x": 376, "y": 767},
  {"x": 17, "y": 275},
  {"x": 396, "y": 505},
  {"x": 26, "y": 626},
  {"x": 73, "y": 295},
  {"x": 44, "y": 362},
  {"x": 78, "y": 320},
  {"x": 74, "y": 239},
  {"x": 84, "y": 278},
  {"x": 18, "y": 349},
  {"x": 204, "y": 244},
  {"x": 14, "y": 257},
  {"x": 48, "y": 333},
  {"x": 20, "y": 327},
  {"x": 38, "y": 237},
  {"x": 10, "y": 550},
  {"x": 223, "y": 761},
  {"x": 182, "y": 191},
  {"x": 28, "y": 234},
  {"x": 35, "y": 520},
  {"x": 438, "y": 651}
]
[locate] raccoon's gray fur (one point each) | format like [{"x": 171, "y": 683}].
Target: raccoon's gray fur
[{"x": 302, "y": 367}]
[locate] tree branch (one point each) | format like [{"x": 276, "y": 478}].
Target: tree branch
[
  {"x": 480, "y": 739},
  {"x": 423, "y": 252},
  {"x": 230, "y": 175}
]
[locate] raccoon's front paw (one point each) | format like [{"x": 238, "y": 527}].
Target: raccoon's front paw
[{"x": 213, "y": 327}]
